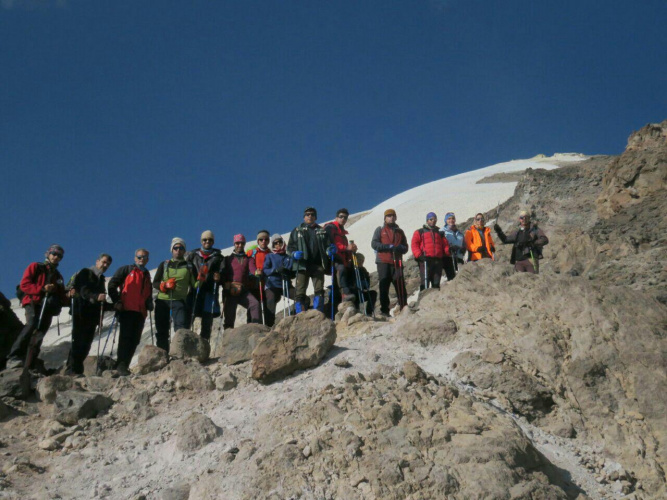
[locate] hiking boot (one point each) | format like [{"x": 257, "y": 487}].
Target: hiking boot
[{"x": 123, "y": 370}]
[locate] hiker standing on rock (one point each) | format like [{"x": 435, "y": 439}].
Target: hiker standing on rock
[
  {"x": 429, "y": 248},
  {"x": 90, "y": 303},
  {"x": 238, "y": 272},
  {"x": 308, "y": 245},
  {"x": 173, "y": 279},
  {"x": 43, "y": 296},
  {"x": 390, "y": 244},
  {"x": 10, "y": 327},
  {"x": 478, "y": 240},
  {"x": 528, "y": 241},
  {"x": 258, "y": 253},
  {"x": 132, "y": 296},
  {"x": 370, "y": 296},
  {"x": 342, "y": 257},
  {"x": 457, "y": 246},
  {"x": 278, "y": 272},
  {"x": 208, "y": 262}
]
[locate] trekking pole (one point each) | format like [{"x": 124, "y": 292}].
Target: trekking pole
[
  {"x": 401, "y": 282},
  {"x": 532, "y": 258},
  {"x": 113, "y": 341},
  {"x": 333, "y": 278},
  {"x": 194, "y": 306},
  {"x": 171, "y": 312},
  {"x": 261, "y": 301},
  {"x": 99, "y": 338},
  {"x": 58, "y": 323},
  {"x": 41, "y": 313},
  {"x": 360, "y": 292},
  {"x": 285, "y": 303},
  {"x": 150, "y": 318},
  {"x": 425, "y": 273}
]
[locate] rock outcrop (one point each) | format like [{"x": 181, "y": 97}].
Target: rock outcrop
[
  {"x": 295, "y": 343},
  {"x": 187, "y": 344},
  {"x": 237, "y": 344}
]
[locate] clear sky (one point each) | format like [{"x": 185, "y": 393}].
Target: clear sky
[{"x": 124, "y": 123}]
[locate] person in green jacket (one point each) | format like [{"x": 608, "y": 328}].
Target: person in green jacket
[{"x": 174, "y": 279}]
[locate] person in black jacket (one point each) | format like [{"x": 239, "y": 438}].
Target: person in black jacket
[
  {"x": 308, "y": 245},
  {"x": 131, "y": 293},
  {"x": 528, "y": 241},
  {"x": 10, "y": 327},
  {"x": 90, "y": 300},
  {"x": 208, "y": 263}
]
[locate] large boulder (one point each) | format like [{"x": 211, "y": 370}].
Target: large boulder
[
  {"x": 195, "y": 431},
  {"x": 187, "y": 344},
  {"x": 49, "y": 387},
  {"x": 237, "y": 344},
  {"x": 74, "y": 405},
  {"x": 151, "y": 359},
  {"x": 297, "y": 342}
]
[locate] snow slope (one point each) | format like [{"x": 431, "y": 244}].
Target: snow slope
[{"x": 459, "y": 194}]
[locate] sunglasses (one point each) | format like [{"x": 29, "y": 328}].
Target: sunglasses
[
  {"x": 207, "y": 240},
  {"x": 522, "y": 217},
  {"x": 343, "y": 216},
  {"x": 263, "y": 239},
  {"x": 56, "y": 254},
  {"x": 278, "y": 242},
  {"x": 178, "y": 247},
  {"x": 309, "y": 214},
  {"x": 141, "y": 257},
  {"x": 479, "y": 218}
]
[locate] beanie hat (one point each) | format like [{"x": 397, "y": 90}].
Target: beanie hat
[
  {"x": 239, "y": 238},
  {"x": 310, "y": 209},
  {"x": 276, "y": 237},
  {"x": 360, "y": 259},
  {"x": 389, "y": 211},
  {"x": 449, "y": 214},
  {"x": 177, "y": 240},
  {"x": 208, "y": 234},
  {"x": 431, "y": 215},
  {"x": 55, "y": 248},
  {"x": 263, "y": 231}
]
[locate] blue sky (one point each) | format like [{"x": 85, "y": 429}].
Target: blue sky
[{"x": 125, "y": 123}]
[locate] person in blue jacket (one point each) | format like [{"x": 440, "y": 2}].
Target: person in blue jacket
[
  {"x": 457, "y": 246},
  {"x": 278, "y": 274}
]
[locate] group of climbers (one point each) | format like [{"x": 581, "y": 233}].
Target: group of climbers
[{"x": 190, "y": 285}]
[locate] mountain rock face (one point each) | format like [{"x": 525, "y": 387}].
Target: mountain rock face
[{"x": 498, "y": 385}]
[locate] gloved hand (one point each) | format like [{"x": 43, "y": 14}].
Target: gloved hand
[
  {"x": 258, "y": 273},
  {"x": 118, "y": 306},
  {"x": 298, "y": 255},
  {"x": 331, "y": 251},
  {"x": 149, "y": 305},
  {"x": 390, "y": 248},
  {"x": 401, "y": 248},
  {"x": 170, "y": 284},
  {"x": 497, "y": 228}
]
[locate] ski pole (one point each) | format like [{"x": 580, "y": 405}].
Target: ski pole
[
  {"x": 150, "y": 318},
  {"x": 194, "y": 306},
  {"x": 171, "y": 312},
  {"x": 261, "y": 301},
  {"x": 41, "y": 313},
  {"x": 99, "y": 338}
]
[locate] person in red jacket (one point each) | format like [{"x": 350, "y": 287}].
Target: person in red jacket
[
  {"x": 390, "y": 244},
  {"x": 429, "y": 248},
  {"x": 258, "y": 253},
  {"x": 345, "y": 280},
  {"x": 130, "y": 291},
  {"x": 479, "y": 241},
  {"x": 44, "y": 296}
]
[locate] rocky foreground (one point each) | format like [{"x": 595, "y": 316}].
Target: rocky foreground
[{"x": 499, "y": 385}]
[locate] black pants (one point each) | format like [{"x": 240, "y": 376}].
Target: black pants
[
  {"x": 131, "y": 326},
  {"x": 30, "y": 339},
  {"x": 180, "y": 317},
  {"x": 388, "y": 274},
  {"x": 272, "y": 297},
  {"x": 83, "y": 334},
  {"x": 434, "y": 268}
]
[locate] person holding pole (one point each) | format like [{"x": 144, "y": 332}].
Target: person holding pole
[
  {"x": 430, "y": 248},
  {"x": 90, "y": 289},
  {"x": 173, "y": 279},
  {"x": 131, "y": 294},
  {"x": 43, "y": 296}
]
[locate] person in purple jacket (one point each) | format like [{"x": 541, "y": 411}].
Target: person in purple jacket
[{"x": 238, "y": 271}]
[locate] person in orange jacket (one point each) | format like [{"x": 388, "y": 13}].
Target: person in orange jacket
[{"x": 479, "y": 241}]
